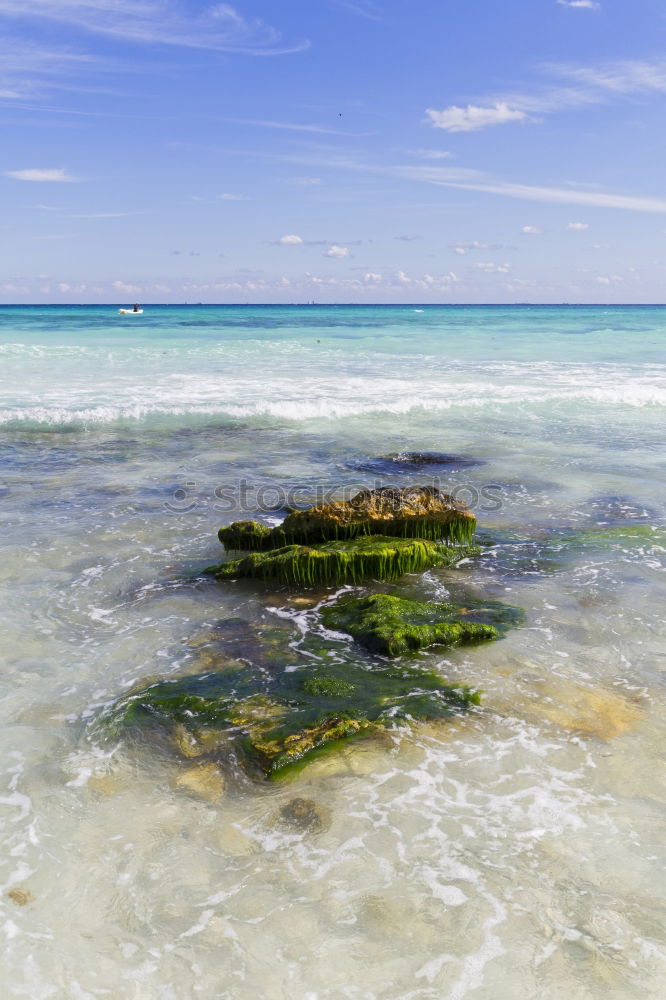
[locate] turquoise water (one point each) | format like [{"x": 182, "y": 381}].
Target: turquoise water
[{"x": 514, "y": 853}]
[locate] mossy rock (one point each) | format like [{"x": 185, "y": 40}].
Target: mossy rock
[
  {"x": 335, "y": 563},
  {"x": 412, "y": 512},
  {"x": 248, "y": 536},
  {"x": 393, "y": 626},
  {"x": 277, "y": 723}
]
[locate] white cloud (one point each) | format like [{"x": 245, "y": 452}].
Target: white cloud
[
  {"x": 471, "y": 118},
  {"x": 578, "y": 226},
  {"x": 338, "y": 253},
  {"x": 290, "y": 240},
  {"x": 491, "y": 268},
  {"x": 609, "y": 279},
  {"x": 432, "y": 154},
  {"x": 58, "y": 175},
  {"x": 372, "y": 277},
  {"x": 531, "y": 230},
  {"x": 590, "y": 4},
  {"x": 427, "y": 282},
  {"x": 121, "y": 286},
  {"x": 408, "y": 239},
  {"x": 233, "y": 197},
  {"x": 463, "y": 248},
  {"x": 167, "y": 22},
  {"x": 578, "y": 87}
]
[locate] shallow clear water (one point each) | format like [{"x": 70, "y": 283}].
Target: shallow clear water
[{"x": 517, "y": 852}]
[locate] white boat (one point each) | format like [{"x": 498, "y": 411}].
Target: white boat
[{"x": 131, "y": 312}]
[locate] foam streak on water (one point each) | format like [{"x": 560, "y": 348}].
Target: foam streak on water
[{"x": 516, "y": 852}]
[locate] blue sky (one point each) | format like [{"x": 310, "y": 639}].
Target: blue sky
[{"x": 332, "y": 150}]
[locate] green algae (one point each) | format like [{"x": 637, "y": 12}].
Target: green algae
[
  {"x": 605, "y": 536},
  {"x": 413, "y": 512},
  {"x": 392, "y": 626},
  {"x": 335, "y": 563},
  {"x": 244, "y": 536},
  {"x": 276, "y": 723},
  {"x": 281, "y": 748},
  {"x": 326, "y": 685}
]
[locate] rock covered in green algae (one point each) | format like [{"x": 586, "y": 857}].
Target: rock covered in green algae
[
  {"x": 392, "y": 625},
  {"x": 334, "y": 563},
  {"x": 275, "y": 722},
  {"x": 248, "y": 536},
  {"x": 411, "y": 512}
]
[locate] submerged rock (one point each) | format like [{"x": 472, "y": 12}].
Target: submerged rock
[
  {"x": 303, "y": 815},
  {"x": 334, "y": 563},
  {"x": 273, "y": 722},
  {"x": 597, "y": 712},
  {"x": 392, "y": 626},
  {"x": 435, "y": 458},
  {"x": 412, "y": 512},
  {"x": 206, "y": 781},
  {"x": 407, "y": 462},
  {"x": 21, "y": 896}
]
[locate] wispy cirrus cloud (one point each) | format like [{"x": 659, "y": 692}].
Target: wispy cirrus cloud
[
  {"x": 466, "y": 179},
  {"x": 474, "y": 180},
  {"x": 304, "y": 181},
  {"x": 577, "y": 87},
  {"x": 432, "y": 154},
  {"x": 589, "y": 4},
  {"x": 293, "y": 126},
  {"x": 219, "y": 26},
  {"x": 364, "y": 8},
  {"x": 102, "y": 215},
  {"x": 67, "y": 213},
  {"x": 28, "y": 69},
  {"x": 58, "y": 175}
]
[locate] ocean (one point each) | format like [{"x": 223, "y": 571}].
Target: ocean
[{"x": 516, "y": 851}]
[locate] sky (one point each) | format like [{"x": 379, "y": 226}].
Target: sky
[{"x": 332, "y": 151}]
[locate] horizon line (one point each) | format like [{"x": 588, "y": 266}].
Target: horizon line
[{"x": 328, "y": 305}]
